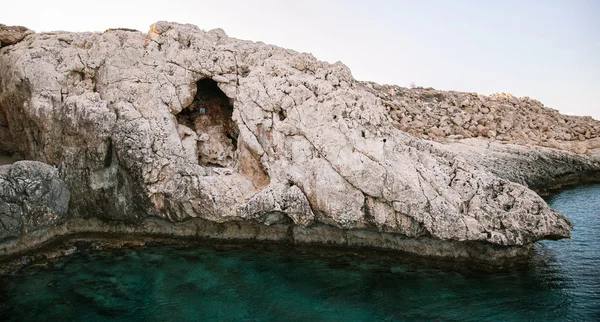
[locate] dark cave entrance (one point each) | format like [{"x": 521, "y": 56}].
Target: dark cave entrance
[
  {"x": 7, "y": 144},
  {"x": 6, "y": 158},
  {"x": 210, "y": 117}
]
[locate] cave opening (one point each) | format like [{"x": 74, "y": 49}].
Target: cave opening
[
  {"x": 210, "y": 117},
  {"x": 7, "y": 158},
  {"x": 7, "y": 143}
]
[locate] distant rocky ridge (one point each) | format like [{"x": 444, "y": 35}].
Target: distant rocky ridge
[
  {"x": 446, "y": 116},
  {"x": 10, "y": 35},
  {"x": 184, "y": 132}
]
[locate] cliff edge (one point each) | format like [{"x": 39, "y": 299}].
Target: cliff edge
[{"x": 184, "y": 132}]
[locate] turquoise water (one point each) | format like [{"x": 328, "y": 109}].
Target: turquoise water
[{"x": 228, "y": 283}]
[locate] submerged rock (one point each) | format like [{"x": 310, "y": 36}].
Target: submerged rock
[{"x": 233, "y": 139}]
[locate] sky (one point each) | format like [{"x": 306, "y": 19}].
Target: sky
[{"x": 545, "y": 49}]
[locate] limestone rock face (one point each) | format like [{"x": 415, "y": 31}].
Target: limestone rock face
[
  {"x": 180, "y": 124},
  {"x": 539, "y": 168},
  {"x": 32, "y": 197}
]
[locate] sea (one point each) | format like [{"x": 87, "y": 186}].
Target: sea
[{"x": 209, "y": 282}]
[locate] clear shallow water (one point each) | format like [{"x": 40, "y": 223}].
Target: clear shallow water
[{"x": 173, "y": 283}]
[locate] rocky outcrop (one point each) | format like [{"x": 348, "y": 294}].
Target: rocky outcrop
[
  {"x": 12, "y": 34},
  {"x": 448, "y": 116},
  {"x": 539, "y": 168},
  {"x": 32, "y": 198},
  {"x": 185, "y": 132}
]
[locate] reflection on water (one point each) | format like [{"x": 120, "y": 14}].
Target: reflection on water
[{"x": 175, "y": 283}]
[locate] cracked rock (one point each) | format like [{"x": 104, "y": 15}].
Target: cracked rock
[{"x": 185, "y": 125}]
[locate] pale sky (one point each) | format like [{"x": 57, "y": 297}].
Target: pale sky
[{"x": 548, "y": 50}]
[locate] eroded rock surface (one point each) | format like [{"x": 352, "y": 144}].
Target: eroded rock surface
[
  {"x": 32, "y": 197},
  {"x": 12, "y": 34},
  {"x": 539, "y": 168},
  {"x": 212, "y": 133},
  {"x": 447, "y": 116}
]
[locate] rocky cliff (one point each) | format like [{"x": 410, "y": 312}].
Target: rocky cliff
[
  {"x": 448, "y": 116},
  {"x": 184, "y": 132}
]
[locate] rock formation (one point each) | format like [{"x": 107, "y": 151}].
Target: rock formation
[
  {"x": 446, "y": 116},
  {"x": 184, "y": 132},
  {"x": 32, "y": 197},
  {"x": 10, "y": 35}
]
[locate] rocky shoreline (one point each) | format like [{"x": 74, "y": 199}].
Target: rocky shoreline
[
  {"x": 72, "y": 244},
  {"x": 183, "y": 132},
  {"x": 246, "y": 232}
]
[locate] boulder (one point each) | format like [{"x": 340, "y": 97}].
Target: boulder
[
  {"x": 10, "y": 35},
  {"x": 32, "y": 197}
]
